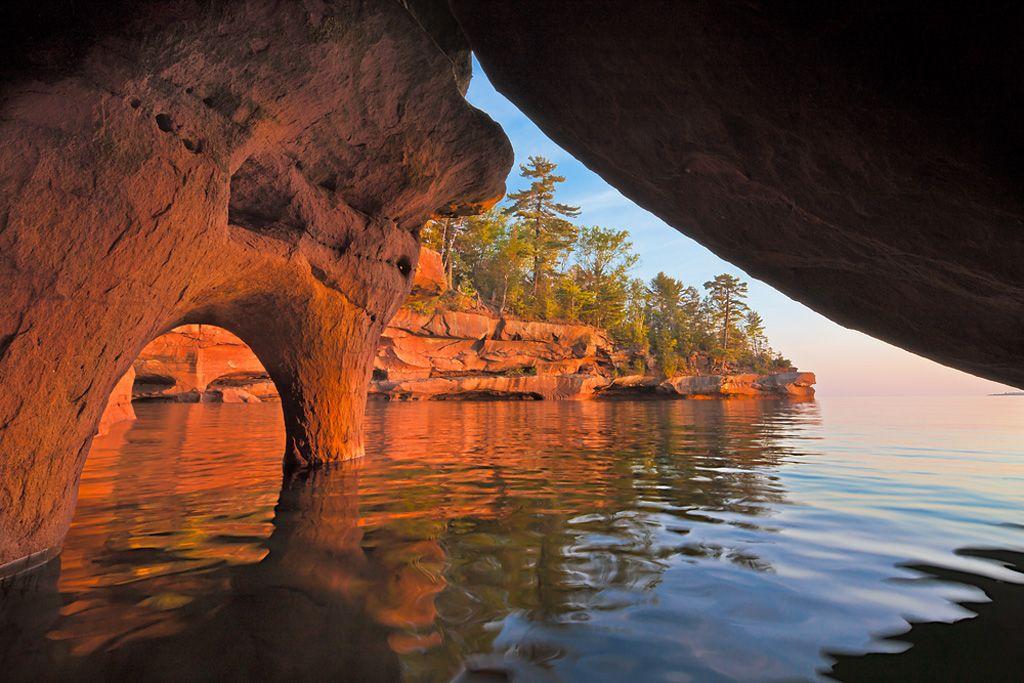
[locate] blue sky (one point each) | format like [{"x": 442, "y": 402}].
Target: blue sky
[{"x": 847, "y": 362}]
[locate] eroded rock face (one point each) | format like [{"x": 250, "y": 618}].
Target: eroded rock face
[
  {"x": 446, "y": 354},
  {"x": 567, "y": 387},
  {"x": 119, "y": 405},
  {"x": 260, "y": 166},
  {"x": 865, "y": 158},
  {"x": 465, "y": 344},
  {"x": 799, "y": 385},
  {"x": 430, "y": 277},
  {"x": 192, "y": 362}
]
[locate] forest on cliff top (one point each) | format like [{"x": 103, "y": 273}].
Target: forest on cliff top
[{"x": 527, "y": 258}]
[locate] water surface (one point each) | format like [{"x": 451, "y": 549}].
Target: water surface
[{"x": 580, "y": 541}]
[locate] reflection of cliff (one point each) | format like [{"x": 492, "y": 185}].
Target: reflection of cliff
[
  {"x": 315, "y": 607},
  {"x": 463, "y": 516},
  {"x": 534, "y": 529}
]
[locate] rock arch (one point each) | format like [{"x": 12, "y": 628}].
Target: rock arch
[
  {"x": 190, "y": 362},
  {"x": 264, "y": 167}
]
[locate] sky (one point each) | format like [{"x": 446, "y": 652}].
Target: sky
[{"x": 846, "y": 362}]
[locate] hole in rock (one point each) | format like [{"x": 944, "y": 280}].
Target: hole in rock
[
  {"x": 164, "y": 123},
  {"x": 404, "y": 266},
  {"x": 200, "y": 364},
  {"x": 172, "y": 503}
]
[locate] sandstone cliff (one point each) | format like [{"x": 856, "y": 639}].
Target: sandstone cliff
[
  {"x": 451, "y": 354},
  {"x": 441, "y": 355},
  {"x": 791, "y": 383},
  {"x": 262, "y": 166}
]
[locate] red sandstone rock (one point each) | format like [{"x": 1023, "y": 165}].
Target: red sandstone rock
[
  {"x": 430, "y": 277},
  {"x": 260, "y": 166},
  {"x": 231, "y": 395},
  {"x": 588, "y": 338},
  {"x": 792, "y": 384},
  {"x": 188, "y": 359},
  {"x": 119, "y": 406},
  {"x": 425, "y": 367},
  {"x": 537, "y": 387},
  {"x": 634, "y": 383},
  {"x": 460, "y": 325},
  {"x": 407, "y": 321},
  {"x": 455, "y": 343}
]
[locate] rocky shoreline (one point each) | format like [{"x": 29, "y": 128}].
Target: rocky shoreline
[
  {"x": 446, "y": 355},
  {"x": 472, "y": 355},
  {"x": 430, "y": 353}
]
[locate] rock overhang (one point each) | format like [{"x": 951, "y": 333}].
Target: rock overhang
[
  {"x": 867, "y": 159},
  {"x": 258, "y": 166}
]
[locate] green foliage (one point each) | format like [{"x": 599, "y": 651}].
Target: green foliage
[
  {"x": 726, "y": 301},
  {"x": 543, "y": 226},
  {"x": 603, "y": 259},
  {"x": 527, "y": 259}
]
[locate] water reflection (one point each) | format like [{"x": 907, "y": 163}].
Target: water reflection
[{"x": 581, "y": 541}]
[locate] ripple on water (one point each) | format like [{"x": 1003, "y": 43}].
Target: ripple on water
[{"x": 587, "y": 541}]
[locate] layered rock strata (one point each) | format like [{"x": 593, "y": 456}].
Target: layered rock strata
[
  {"x": 790, "y": 384},
  {"x": 445, "y": 355},
  {"x": 195, "y": 363},
  {"x": 261, "y": 166}
]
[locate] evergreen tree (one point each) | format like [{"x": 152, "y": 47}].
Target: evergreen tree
[
  {"x": 754, "y": 329},
  {"x": 726, "y": 298},
  {"x": 667, "y": 320},
  {"x": 513, "y": 259},
  {"x": 573, "y": 297},
  {"x": 548, "y": 231},
  {"x": 603, "y": 259},
  {"x": 634, "y": 328}
]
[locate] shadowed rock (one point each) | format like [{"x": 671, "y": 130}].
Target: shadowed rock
[
  {"x": 260, "y": 166},
  {"x": 865, "y": 158}
]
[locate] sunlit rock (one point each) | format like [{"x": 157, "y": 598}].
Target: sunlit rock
[
  {"x": 791, "y": 384},
  {"x": 430, "y": 276},
  {"x": 259, "y": 166},
  {"x": 119, "y": 405}
]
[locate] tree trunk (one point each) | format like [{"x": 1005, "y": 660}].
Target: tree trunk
[
  {"x": 536, "y": 250},
  {"x": 504, "y": 293},
  {"x": 725, "y": 330}
]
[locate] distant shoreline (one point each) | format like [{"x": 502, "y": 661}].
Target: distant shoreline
[{"x": 1009, "y": 393}]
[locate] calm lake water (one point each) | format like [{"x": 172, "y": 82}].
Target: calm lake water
[{"x": 860, "y": 539}]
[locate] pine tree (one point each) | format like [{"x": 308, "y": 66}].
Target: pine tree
[
  {"x": 726, "y": 296},
  {"x": 603, "y": 259},
  {"x": 667, "y": 321},
  {"x": 548, "y": 232},
  {"x": 754, "y": 328}
]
